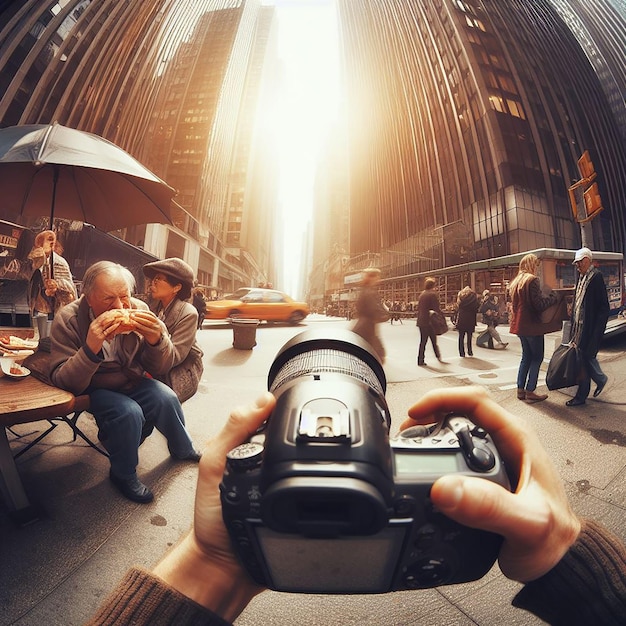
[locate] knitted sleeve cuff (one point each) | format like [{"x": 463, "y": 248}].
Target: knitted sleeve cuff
[
  {"x": 143, "y": 599},
  {"x": 588, "y": 585}
]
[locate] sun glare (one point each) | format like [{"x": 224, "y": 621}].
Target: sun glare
[{"x": 301, "y": 114}]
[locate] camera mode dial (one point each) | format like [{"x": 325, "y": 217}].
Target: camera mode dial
[{"x": 245, "y": 457}]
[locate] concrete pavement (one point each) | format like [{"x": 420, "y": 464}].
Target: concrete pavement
[{"x": 57, "y": 570}]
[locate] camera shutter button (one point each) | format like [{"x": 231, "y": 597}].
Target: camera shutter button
[{"x": 477, "y": 455}]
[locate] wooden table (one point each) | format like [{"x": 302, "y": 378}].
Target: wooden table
[{"x": 25, "y": 400}]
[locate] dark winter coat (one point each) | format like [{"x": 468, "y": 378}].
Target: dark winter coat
[
  {"x": 428, "y": 301},
  {"x": 594, "y": 316},
  {"x": 466, "y": 315}
]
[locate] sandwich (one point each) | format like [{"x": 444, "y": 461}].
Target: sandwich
[{"x": 123, "y": 318}]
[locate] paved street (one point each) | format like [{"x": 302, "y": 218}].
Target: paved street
[{"x": 56, "y": 571}]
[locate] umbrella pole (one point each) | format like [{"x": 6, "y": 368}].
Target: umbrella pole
[{"x": 55, "y": 180}]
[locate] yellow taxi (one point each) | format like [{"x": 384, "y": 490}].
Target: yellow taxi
[{"x": 256, "y": 303}]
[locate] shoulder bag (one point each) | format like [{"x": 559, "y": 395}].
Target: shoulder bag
[
  {"x": 438, "y": 322},
  {"x": 565, "y": 367},
  {"x": 553, "y": 317},
  {"x": 185, "y": 377}
]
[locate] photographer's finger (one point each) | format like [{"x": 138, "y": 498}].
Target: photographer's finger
[
  {"x": 480, "y": 503},
  {"x": 508, "y": 430},
  {"x": 441, "y": 401},
  {"x": 243, "y": 422}
]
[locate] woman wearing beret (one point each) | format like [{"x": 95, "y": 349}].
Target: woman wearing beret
[{"x": 170, "y": 284}]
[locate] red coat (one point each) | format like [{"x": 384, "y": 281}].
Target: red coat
[{"x": 528, "y": 302}]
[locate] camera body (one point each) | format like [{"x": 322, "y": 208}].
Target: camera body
[{"x": 320, "y": 500}]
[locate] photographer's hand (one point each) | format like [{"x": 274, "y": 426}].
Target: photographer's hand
[
  {"x": 536, "y": 520},
  {"x": 202, "y": 566}
]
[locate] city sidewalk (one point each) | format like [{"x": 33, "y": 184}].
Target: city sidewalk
[
  {"x": 57, "y": 570},
  {"x": 609, "y": 358}
]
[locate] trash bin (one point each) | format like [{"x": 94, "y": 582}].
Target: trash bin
[{"x": 244, "y": 333}]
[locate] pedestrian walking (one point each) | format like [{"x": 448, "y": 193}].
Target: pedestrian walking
[
  {"x": 590, "y": 313},
  {"x": 528, "y": 301},
  {"x": 370, "y": 311},
  {"x": 428, "y": 301},
  {"x": 467, "y": 305},
  {"x": 200, "y": 304},
  {"x": 491, "y": 316}
]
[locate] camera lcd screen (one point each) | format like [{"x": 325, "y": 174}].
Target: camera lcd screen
[
  {"x": 408, "y": 463},
  {"x": 350, "y": 564}
]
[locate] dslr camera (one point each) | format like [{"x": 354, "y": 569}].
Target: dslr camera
[{"x": 320, "y": 500}]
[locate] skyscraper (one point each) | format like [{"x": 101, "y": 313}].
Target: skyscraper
[
  {"x": 167, "y": 81},
  {"x": 466, "y": 121}
]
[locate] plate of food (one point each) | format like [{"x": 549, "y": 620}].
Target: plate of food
[
  {"x": 12, "y": 369},
  {"x": 17, "y": 355},
  {"x": 11, "y": 342}
]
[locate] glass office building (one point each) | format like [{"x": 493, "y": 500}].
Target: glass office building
[
  {"x": 170, "y": 82},
  {"x": 466, "y": 121}
]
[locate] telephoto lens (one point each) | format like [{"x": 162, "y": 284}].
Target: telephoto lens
[{"x": 327, "y": 463}]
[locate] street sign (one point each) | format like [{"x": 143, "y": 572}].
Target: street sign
[{"x": 584, "y": 195}]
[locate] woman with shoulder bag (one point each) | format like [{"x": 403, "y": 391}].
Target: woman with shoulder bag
[
  {"x": 528, "y": 302},
  {"x": 171, "y": 282}
]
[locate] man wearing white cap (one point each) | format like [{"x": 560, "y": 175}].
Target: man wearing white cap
[{"x": 590, "y": 312}]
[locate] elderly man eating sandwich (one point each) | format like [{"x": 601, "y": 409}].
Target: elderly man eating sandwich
[{"x": 111, "y": 346}]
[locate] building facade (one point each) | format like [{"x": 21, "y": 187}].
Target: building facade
[
  {"x": 169, "y": 81},
  {"x": 466, "y": 122}
]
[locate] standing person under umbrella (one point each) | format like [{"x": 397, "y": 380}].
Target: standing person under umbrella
[
  {"x": 51, "y": 285},
  {"x": 171, "y": 282}
]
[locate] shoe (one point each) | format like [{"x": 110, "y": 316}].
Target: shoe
[
  {"x": 521, "y": 394},
  {"x": 194, "y": 456},
  {"x": 132, "y": 488},
  {"x": 470, "y": 354},
  {"x": 502, "y": 345},
  {"x": 600, "y": 387},
  {"x": 422, "y": 363},
  {"x": 532, "y": 397},
  {"x": 575, "y": 402},
  {"x": 463, "y": 356}
]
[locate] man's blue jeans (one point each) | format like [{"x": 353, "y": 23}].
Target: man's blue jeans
[
  {"x": 532, "y": 357},
  {"x": 121, "y": 417}
]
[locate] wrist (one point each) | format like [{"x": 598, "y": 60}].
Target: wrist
[{"x": 218, "y": 585}]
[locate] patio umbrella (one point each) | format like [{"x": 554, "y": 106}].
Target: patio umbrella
[{"x": 64, "y": 172}]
